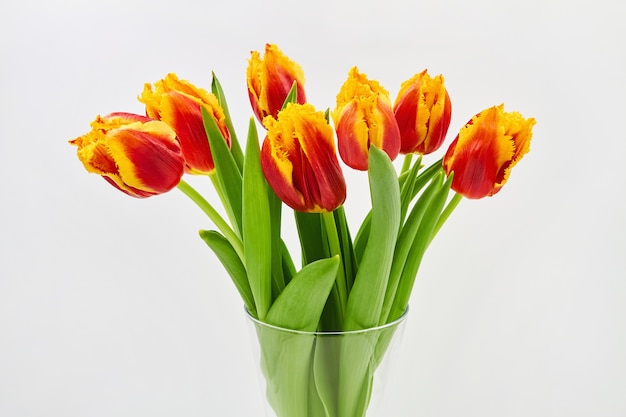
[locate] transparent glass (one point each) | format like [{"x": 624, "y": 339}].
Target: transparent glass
[{"x": 325, "y": 374}]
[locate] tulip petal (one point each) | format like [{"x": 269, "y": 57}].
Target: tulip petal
[
  {"x": 353, "y": 130},
  {"x": 183, "y": 114},
  {"x": 269, "y": 80},
  {"x": 137, "y": 155},
  {"x": 177, "y": 103},
  {"x": 485, "y": 150},
  {"x": 363, "y": 117},
  {"x": 423, "y": 112},
  {"x": 299, "y": 161},
  {"x": 142, "y": 161}
]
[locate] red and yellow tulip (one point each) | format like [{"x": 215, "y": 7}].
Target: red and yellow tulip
[
  {"x": 299, "y": 161},
  {"x": 485, "y": 151},
  {"x": 423, "y": 111},
  {"x": 137, "y": 155},
  {"x": 363, "y": 117},
  {"x": 270, "y": 79},
  {"x": 178, "y": 103}
]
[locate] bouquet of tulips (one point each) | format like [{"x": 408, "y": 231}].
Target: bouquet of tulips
[{"x": 344, "y": 283}]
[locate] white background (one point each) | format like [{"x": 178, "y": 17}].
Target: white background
[{"x": 112, "y": 306}]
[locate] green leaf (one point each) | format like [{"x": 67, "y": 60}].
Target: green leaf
[
  {"x": 409, "y": 192},
  {"x": 312, "y": 239},
  {"x": 278, "y": 279},
  {"x": 445, "y": 214},
  {"x": 235, "y": 147},
  {"x": 347, "y": 251},
  {"x": 233, "y": 265},
  {"x": 368, "y": 292},
  {"x": 360, "y": 241},
  {"x": 213, "y": 215},
  {"x": 286, "y": 363},
  {"x": 226, "y": 170},
  {"x": 314, "y": 245},
  {"x": 289, "y": 269},
  {"x": 423, "y": 238},
  {"x": 326, "y": 365},
  {"x": 334, "y": 245},
  {"x": 256, "y": 231},
  {"x": 425, "y": 176},
  {"x": 292, "y": 96},
  {"x": 300, "y": 305},
  {"x": 405, "y": 242}
]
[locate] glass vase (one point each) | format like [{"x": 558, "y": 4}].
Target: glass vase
[{"x": 324, "y": 374}]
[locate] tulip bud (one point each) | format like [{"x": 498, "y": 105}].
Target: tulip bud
[
  {"x": 178, "y": 103},
  {"x": 485, "y": 151},
  {"x": 423, "y": 112},
  {"x": 137, "y": 155},
  {"x": 299, "y": 160},
  {"x": 270, "y": 79},
  {"x": 363, "y": 117}
]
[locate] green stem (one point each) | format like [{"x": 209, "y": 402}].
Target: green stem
[
  {"x": 335, "y": 249},
  {"x": 454, "y": 201},
  {"x": 215, "y": 217},
  {"x": 406, "y": 164},
  {"x": 225, "y": 202}
]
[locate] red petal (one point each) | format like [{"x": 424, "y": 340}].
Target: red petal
[
  {"x": 145, "y": 160},
  {"x": 183, "y": 114}
]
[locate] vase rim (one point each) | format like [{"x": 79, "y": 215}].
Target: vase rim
[{"x": 331, "y": 332}]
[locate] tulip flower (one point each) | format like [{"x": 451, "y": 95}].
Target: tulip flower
[
  {"x": 423, "y": 111},
  {"x": 137, "y": 155},
  {"x": 178, "y": 103},
  {"x": 270, "y": 79},
  {"x": 363, "y": 117},
  {"x": 485, "y": 151},
  {"x": 299, "y": 161}
]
